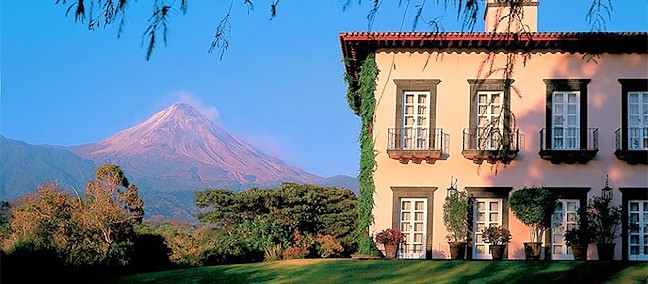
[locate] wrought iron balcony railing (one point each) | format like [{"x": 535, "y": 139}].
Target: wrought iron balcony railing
[
  {"x": 568, "y": 139},
  {"x": 491, "y": 144},
  {"x": 632, "y": 145},
  {"x": 417, "y": 143}
]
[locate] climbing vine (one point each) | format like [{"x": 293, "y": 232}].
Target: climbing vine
[{"x": 362, "y": 101}]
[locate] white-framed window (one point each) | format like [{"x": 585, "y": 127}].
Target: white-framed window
[
  {"x": 413, "y": 224},
  {"x": 637, "y": 121},
  {"x": 490, "y": 127},
  {"x": 638, "y": 231},
  {"x": 416, "y": 115},
  {"x": 487, "y": 212},
  {"x": 565, "y": 120},
  {"x": 565, "y": 217}
]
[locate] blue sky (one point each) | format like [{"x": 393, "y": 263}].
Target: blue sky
[{"x": 279, "y": 86}]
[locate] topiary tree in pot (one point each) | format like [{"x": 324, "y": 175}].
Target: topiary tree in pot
[
  {"x": 604, "y": 221},
  {"x": 455, "y": 219},
  {"x": 533, "y": 206}
]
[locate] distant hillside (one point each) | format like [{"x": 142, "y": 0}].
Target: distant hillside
[
  {"x": 169, "y": 156},
  {"x": 23, "y": 167}
]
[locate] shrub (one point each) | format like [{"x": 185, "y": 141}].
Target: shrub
[
  {"x": 497, "y": 235},
  {"x": 603, "y": 219},
  {"x": 534, "y": 206},
  {"x": 272, "y": 253},
  {"x": 455, "y": 216},
  {"x": 390, "y": 236},
  {"x": 328, "y": 246},
  {"x": 576, "y": 237},
  {"x": 294, "y": 252}
]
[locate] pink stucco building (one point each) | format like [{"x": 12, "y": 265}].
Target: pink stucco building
[{"x": 571, "y": 110}]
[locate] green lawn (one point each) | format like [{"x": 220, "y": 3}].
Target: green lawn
[{"x": 405, "y": 271}]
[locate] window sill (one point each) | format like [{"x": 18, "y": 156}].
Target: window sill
[
  {"x": 490, "y": 156},
  {"x": 568, "y": 156},
  {"x": 632, "y": 157},
  {"x": 416, "y": 156}
]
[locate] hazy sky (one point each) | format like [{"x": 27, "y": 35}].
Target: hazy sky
[{"x": 279, "y": 86}]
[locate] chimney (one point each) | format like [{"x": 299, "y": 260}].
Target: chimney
[{"x": 498, "y": 16}]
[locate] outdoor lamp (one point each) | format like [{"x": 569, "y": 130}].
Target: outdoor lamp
[
  {"x": 452, "y": 190},
  {"x": 606, "y": 192}
]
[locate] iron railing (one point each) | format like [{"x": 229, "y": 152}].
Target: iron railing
[
  {"x": 568, "y": 138},
  {"x": 415, "y": 138},
  {"x": 492, "y": 139},
  {"x": 637, "y": 138}
]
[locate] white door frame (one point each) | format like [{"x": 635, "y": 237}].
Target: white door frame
[
  {"x": 416, "y": 121},
  {"x": 491, "y": 216},
  {"x": 637, "y": 121},
  {"x": 565, "y": 120},
  {"x": 413, "y": 223},
  {"x": 565, "y": 217},
  {"x": 638, "y": 239},
  {"x": 489, "y": 120}
]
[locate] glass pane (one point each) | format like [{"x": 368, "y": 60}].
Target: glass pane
[
  {"x": 422, "y": 121},
  {"x": 495, "y": 110},
  {"x": 571, "y": 98},
  {"x": 405, "y": 226},
  {"x": 480, "y": 238},
  {"x": 495, "y": 98},
  {"x": 558, "y": 98},
  {"x": 645, "y": 250},
  {"x": 634, "y": 206},
  {"x": 418, "y": 248},
  {"x": 572, "y": 217},
  {"x": 645, "y": 204},
  {"x": 633, "y": 109},
  {"x": 634, "y": 217},
  {"x": 481, "y": 249},
  {"x": 480, "y": 227},
  {"x": 481, "y": 206},
  {"x": 418, "y": 238},
  {"x": 571, "y": 109},
  {"x": 634, "y": 250},
  {"x": 559, "y": 120},
  {"x": 633, "y": 98},
  {"x": 409, "y": 99},
  {"x": 481, "y": 217},
  {"x": 494, "y": 216},
  {"x": 406, "y": 205},
  {"x": 494, "y": 206},
  {"x": 409, "y": 109},
  {"x": 421, "y": 110},
  {"x": 558, "y": 249},
  {"x": 405, "y": 216},
  {"x": 421, "y": 99},
  {"x": 418, "y": 227},
  {"x": 483, "y": 99},
  {"x": 409, "y": 120},
  {"x": 571, "y": 226},
  {"x": 559, "y": 206},
  {"x": 572, "y": 206},
  {"x": 482, "y": 120},
  {"x": 418, "y": 216},
  {"x": 571, "y": 120},
  {"x": 634, "y": 240},
  {"x": 419, "y": 205},
  {"x": 559, "y": 109}
]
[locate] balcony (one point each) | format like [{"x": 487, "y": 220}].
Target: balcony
[
  {"x": 491, "y": 144},
  {"x": 565, "y": 144},
  {"x": 632, "y": 146},
  {"x": 417, "y": 144}
]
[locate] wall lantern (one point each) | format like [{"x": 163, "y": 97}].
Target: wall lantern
[
  {"x": 452, "y": 190},
  {"x": 606, "y": 192}
]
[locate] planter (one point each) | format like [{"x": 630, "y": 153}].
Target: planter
[
  {"x": 497, "y": 251},
  {"x": 390, "y": 251},
  {"x": 605, "y": 251},
  {"x": 579, "y": 252},
  {"x": 457, "y": 250},
  {"x": 532, "y": 250}
]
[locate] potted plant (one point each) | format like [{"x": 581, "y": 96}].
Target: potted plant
[
  {"x": 603, "y": 223},
  {"x": 533, "y": 206},
  {"x": 455, "y": 219},
  {"x": 578, "y": 239},
  {"x": 497, "y": 237},
  {"x": 390, "y": 239}
]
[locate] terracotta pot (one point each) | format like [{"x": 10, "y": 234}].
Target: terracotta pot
[
  {"x": 605, "y": 251},
  {"x": 390, "y": 251},
  {"x": 579, "y": 252},
  {"x": 497, "y": 251},
  {"x": 457, "y": 250},
  {"x": 532, "y": 250}
]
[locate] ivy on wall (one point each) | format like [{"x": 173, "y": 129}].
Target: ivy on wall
[{"x": 361, "y": 99}]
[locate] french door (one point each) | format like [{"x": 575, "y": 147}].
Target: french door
[
  {"x": 487, "y": 213},
  {"x": 566, "y": 120},
  {"x": 637, "y": 120},
  {"x": 638, "y": 234},
  {"x": 416, "y": 115},
  {"x": 565, "y": 217},
  {"x": 413, "y": 224},
  {"x": 489, "y": 120}
]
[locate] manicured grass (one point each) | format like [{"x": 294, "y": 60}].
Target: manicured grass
[{"x": 405, "y": 271}]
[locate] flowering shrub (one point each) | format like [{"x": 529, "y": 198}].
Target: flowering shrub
[
  {"x": 328, "y": 246},
  {"x": 496, "y": 235},
  {"x": 293, "y": 253},
  {"x": 390, "y": 237}
]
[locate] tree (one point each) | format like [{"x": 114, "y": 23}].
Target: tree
[{"x": 109, "y": 13}]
